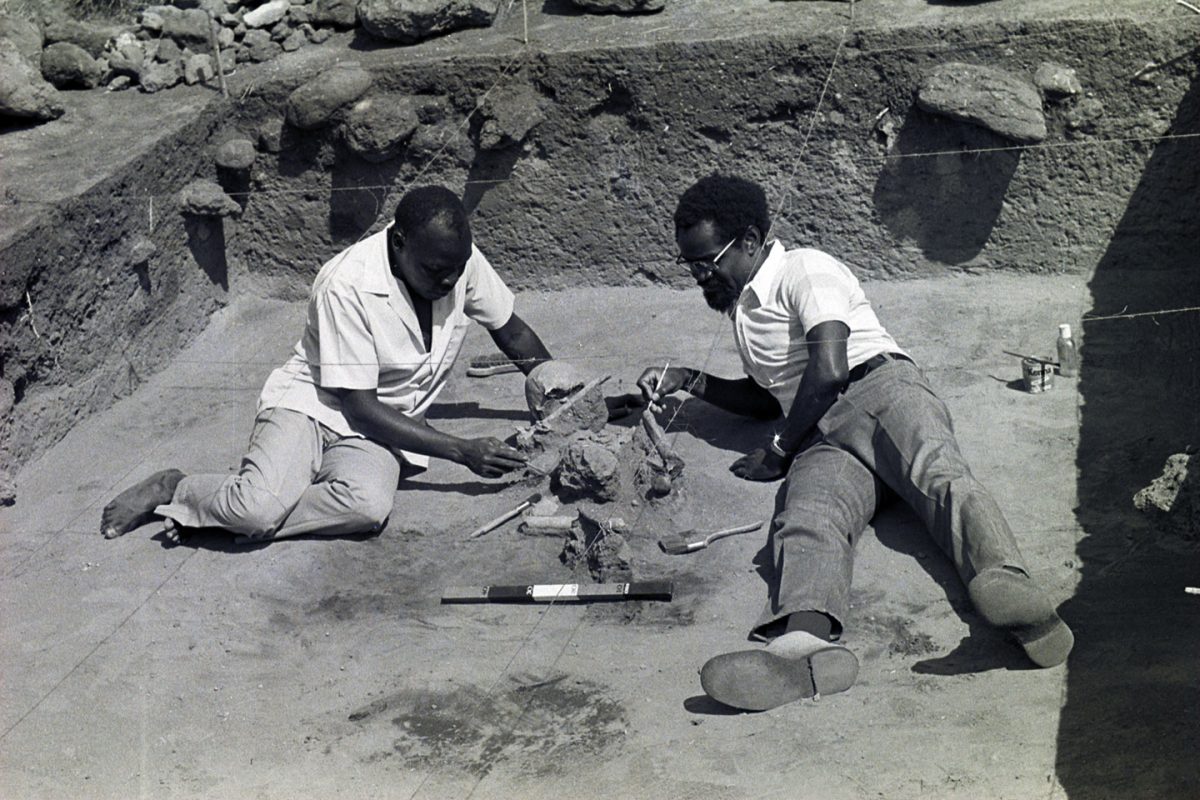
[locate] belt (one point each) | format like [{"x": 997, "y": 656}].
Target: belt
[{"x": 874, "y": 362}]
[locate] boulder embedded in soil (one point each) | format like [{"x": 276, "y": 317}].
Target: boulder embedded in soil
[
  {"x": 85, "y": 35},
  {"x": 509, "y": 114},
  {"x": 315, "y": 103},
  {"x": 985, "y": 96},
  {"x": 377, "y": 127},
  {"x": 1173, "y": 499},
  {"x": 260, "y": 46},
  {"x": 198, "y": 68},
  {"x": 335, "y": 13},
  {"x": 410, "y": 21},
  {"x": 68, "y": 66},
  {"x": 159, "y": 76},
  {"x": 1057, "y": 81},
  {"x": 236, "y": 155},
  {"x": 141, "y": 251},
  {"x": 24, "y": 93},
  {"x": 620, "y": 6},
  {"x": 25, "y": 36},
  {"x": 181, "y": 24},
  {"x": 204, "y": 198},
  {"x": 127, "y": 59}
]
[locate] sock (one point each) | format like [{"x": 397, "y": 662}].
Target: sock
[{"x": 814, "y": 622}]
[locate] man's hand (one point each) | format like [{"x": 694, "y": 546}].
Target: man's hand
[
  {"x": 656, "y": 383},
  {"x": 761, "y": 465},
  {"x": 490, "y": 457}
]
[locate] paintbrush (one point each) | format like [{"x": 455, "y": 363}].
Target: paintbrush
[
  {"x": 677, "y": 544},
  {"x": 506, "y": 516}
]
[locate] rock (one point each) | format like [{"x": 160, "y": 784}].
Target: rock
[
  {"x": 315, "y": 35},
  {"x": 294, "y": 41},
  {"x": 1173, "y": 498},
  {"x": 590, "y": 469},
  {"x": 551, "y": 384},
  {"x": 120, "y": 83},
  {"x": 204, "y": 198},
  {"x": 8, "y": 489},
  {"x": 335, "y": 13},
  {"x": 24, "y": 93},
  {"x": 167, "y": 51},
  {"x": 259, "y": 45},
  {"x": 236, "y": 154},
  {"x": 314, "y": 103},
  {"x": 281, "y": 31},
  {"x": 509, "y": 114},
  {"x": 127, "y": 59},
  {"x": 377, "y": 127},
  {"x": 596, "y": 542},
  {"x": 620, "y": 6},
  {"x": 1084, "y": 115},
  {"x": 1057, "y": 81},
  {"x": 198, "y": 68},
  {"x": 84, "y": 35},
  {"x": 151, "y": 21},
  {"x": 68, "y": 66},
  {"x": 25, "y": 36},
  {"x": 141, "y": 251},
  {"x": 443, "y": 140},
  {"x": 270, "y": 135},
  {"x": 159, "y": 76},
  {"x": 8, "y": 397},
  {"x": 409, "y": 21},
  {"x": 225, "y": 38},
  {"x": 299, "y": 15},
  {"x": 181, "y": 24},
  {"x": 267, "y": 14},
  {"x": 987, "y": 97}
]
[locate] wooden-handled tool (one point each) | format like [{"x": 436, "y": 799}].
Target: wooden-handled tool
[
  {"x": 505, "y": 517},
  {"x": 690, "y": 541}
]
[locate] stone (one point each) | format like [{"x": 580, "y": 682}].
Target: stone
[
  {"x": 181, "y": 24},
  {"x": 985, "y": 96},
  {"x": 620, "y": 6},
  {"x": 299, "y": 15},
  {"x": 1172, "y": 500},
  {"x": 230, "y": 20},
  {"x": 280, "y": 31},
  {"x": 159, "y": 76},
  {"x": 551, "y": 384},
  {"x": 86, "y": 35},
  {"x": 590, "y": 469},
  {"x": 151, "y": 21},
  {"x": 236, "y": 154},
  {"x": 68, "y": 66},
  {"x": 597, "y": 543},
  {"x": 127, "y": 59},
  {"x": 8, "y": 488},
  {"x": 168, "y": 51},
  {"x": 313, "y": 104},
  {"x": 1057, "y": 81},
  {"x": 259, "y": 45},
  {"x": 294, "y": 41},
  {"x": 1084, "y": 115},
  {"x": 24, "y": 93},
  {"x": 141, "y": 251},
  {"x": 198, "y": 68},
  {"x": 203, "y": 198},
  {"x": 120, "y": 83},
  {"x": 377, "y": 127},
  {"x": 25, "y": 36},
  {"x": 444, "y": 140},
  {"x": 316, "y": 35},
  {"x": 267, "y": 14},
  {"x": 8, "y": 398},
  {"x": 335, "y": 13},
  {"x": 509, "y": 113},
  {"x": 270, "y": 135},
  {"x": 410, "y": 21},
  {"x": 225, "y": 38}
]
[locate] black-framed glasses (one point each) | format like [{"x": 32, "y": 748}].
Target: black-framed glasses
[{"x": 702, "y": 267}]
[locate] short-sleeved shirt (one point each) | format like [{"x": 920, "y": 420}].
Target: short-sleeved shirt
[
  {"x": 362, "y": 333},
  {"x": 793, "y": 292}
]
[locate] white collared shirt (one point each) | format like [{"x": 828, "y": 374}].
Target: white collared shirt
[
  {"x": 362, "y": 333},
  {"x": 793, "y": 292}
]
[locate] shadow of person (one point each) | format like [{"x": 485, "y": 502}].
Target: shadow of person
[
  {"x": 711, "y": 425},
  {"x": 703, "y": 704},
  {"x": 472, "y": 410}
]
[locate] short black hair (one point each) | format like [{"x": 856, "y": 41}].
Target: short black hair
[
  {"x": 425, "y": 204},
  {"x": 730, "y": 203}
]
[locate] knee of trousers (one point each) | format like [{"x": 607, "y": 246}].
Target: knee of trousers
[
  {"x": 254, "y": 513},
  {"x": 369, "y": 506},
  {"x": 832, "y": 521}
]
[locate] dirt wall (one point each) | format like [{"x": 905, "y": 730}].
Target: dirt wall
[{"x": 584, "y": 197}]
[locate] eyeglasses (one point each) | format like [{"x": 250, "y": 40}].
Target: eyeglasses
[{"x": 701, "y": 268}]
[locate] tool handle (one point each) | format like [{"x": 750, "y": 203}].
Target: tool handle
[
  {"x": 505, "y": 517},
  {"x": 721, "y": 534}
]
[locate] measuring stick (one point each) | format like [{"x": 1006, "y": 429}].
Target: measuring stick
[{"x": 559, "y": 592}]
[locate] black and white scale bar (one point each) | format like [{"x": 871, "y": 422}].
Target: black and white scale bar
[{"x": 559, "y": 592}]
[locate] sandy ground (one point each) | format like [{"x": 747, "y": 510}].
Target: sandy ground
[{"x": 328, "y": 668}]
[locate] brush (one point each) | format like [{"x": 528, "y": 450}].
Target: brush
[
  {"x": 677, "y": 544},
  {"x": 487, "y": 527}
]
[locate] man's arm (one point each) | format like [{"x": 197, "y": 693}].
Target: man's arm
[
  {"x": 743, "y": 396},
  {"x": 487, "y": 456},
  {"x": 824, "y": 378},
  {"x": 519, "y": 342}
]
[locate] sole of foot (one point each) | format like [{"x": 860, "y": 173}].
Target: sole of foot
[
  {"x": 483, "y": 366},
  {"x": 1011, "y": 601},
  {"x": 135, "y": 506},
  {"x": 759, "y": 680}
]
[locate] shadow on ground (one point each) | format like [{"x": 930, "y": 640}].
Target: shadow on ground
[{"x": 1131, "y": 723}]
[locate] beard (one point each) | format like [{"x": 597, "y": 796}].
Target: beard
[{"x": 720, "y": 296}]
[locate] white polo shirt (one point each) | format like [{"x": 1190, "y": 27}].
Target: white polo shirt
[
  {"x": 362, "y": 333},
  {"x": 793, "y": 292}
]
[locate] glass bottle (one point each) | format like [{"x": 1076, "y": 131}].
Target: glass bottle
[{"x": 1068, "y": 353}]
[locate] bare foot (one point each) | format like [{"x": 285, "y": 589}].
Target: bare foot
[{"x": 135, "y": 506}]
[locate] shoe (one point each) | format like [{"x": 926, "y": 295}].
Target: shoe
[
  {"x": 490, "y": 364},
  {"x": 793, "y": 666},
  {"x": 1009, "y": 600}
]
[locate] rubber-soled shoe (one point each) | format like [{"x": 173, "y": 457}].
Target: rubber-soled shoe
[
  {"x": 490, "y": 364},
  {"x": 1010, "y": 600},
  {"x": 794, "y": 666}
]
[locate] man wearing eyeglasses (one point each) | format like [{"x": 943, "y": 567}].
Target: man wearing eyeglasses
[{"x": 854, "y": 415}]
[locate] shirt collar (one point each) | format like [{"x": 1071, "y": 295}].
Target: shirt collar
[
  {"x": 763, "y": 279},
  {"x": 378, "y": 278}
]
